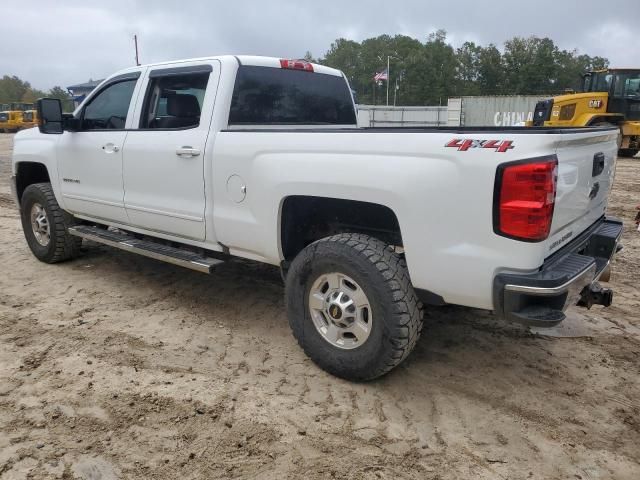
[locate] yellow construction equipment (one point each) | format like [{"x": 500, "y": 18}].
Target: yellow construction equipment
[
  {"x": 607, "y": 97},
  {"x": 29, "y": 118},
  {"x": 10, "y": 121},
  {"x": 12, "y": 116}
]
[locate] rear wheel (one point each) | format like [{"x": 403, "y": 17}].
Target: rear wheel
[
  {"x": 352, "y": 307},
  {"x": 628, "y": 152},
  {"x": 45, "y": 225}
]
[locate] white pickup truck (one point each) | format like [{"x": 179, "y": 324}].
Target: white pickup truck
[{"x": 194, "y": 161}]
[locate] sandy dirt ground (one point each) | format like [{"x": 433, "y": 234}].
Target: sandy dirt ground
[{"x": 116, "y": 366}]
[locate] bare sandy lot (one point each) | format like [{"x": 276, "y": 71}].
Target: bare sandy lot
[{"x": 116, "y": 366}]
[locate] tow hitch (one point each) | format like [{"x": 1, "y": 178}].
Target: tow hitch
[{"x": 594, "y": 294}]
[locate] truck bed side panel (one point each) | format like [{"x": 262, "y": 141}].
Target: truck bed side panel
[{"x": 443, "y": 197}]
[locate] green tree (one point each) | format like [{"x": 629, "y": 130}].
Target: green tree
[
  {"x": 31, "y": 95},
  {"x": 59, "y": 92},
  {"x": 468, "y": 71},
  {"x": 345, "y": 55},
  {"x": 406, "y": 55},
  {"x": 435, "y": 75},
  {"x": 491, "y": 74},
  {"x": 529, "y": 65},
  {"x": 430, "y": 72},
  {"x": 12, "y": 89},
  {"x": 571, "y": 66}
]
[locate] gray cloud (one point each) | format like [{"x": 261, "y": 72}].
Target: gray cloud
[{"x": 61, "y": 43}]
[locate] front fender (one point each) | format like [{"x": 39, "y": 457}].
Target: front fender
[{"x": 31, "y": 146}]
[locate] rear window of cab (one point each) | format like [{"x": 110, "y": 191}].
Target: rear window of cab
[{"x": 275, "y": 96}]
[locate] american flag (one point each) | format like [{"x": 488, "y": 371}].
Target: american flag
[{"x": 383, "y": 75}]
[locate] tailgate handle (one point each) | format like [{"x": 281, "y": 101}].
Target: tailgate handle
[{"x": 598, "y": 164}]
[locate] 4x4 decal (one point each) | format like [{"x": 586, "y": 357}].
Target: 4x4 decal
[{"x": 464, "y": 145}]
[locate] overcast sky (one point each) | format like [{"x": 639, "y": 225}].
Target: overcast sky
[{"x": 64, "y": 42}]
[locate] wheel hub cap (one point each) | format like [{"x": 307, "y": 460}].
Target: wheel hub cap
[
  {"x": 335, "y": 312},
  {"x": 40, "y": 224},
  {"x": 340, "y": 310}
]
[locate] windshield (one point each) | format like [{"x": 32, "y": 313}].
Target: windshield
[
  {"x": 600, "y": 82},
  {"x": 627, "y": 85}
]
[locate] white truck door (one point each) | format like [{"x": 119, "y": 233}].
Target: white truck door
[
  {"x": 90, "y": 159},
  {"x": 164, "y": 154}
]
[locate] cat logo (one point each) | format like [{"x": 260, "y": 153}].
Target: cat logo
[{"x": 595, "y": 103}]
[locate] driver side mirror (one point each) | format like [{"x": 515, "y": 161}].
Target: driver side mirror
[{"x": 49, "y": 115}]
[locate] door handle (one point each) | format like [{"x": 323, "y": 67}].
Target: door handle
[
  {"x": 110, "y": 148},
  {"x": 187, "y": 152}
]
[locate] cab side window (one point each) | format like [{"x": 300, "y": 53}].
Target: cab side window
[
  {"x": 174, "y": 101},
  {"x": 108, "y": 109}
]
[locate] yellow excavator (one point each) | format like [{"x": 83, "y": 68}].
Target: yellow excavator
[{"x": 607, "y": 97}]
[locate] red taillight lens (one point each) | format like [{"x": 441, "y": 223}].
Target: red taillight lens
[
  {"x": 525, "y": 196},
  {"x": 296, "y": 65}
]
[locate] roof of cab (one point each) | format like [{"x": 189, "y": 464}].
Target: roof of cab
[{"x": 253, "y": 60}]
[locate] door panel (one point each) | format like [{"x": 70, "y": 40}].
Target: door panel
[
  {"x": 90, "y": 171},
  {"x": 163, "y": 161},
  {"x": 164, "y": 191},
  {"x": 90, "y": 160}
]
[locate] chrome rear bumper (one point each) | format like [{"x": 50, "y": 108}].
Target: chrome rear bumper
[{"x": 540, "y": 298}]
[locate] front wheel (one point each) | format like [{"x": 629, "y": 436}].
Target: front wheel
[
  {"x": 45, "y": 225},
  {"x": 352, "y": 307}
]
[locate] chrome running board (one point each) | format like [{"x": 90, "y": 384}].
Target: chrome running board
[{"x": 147, "y": 248}]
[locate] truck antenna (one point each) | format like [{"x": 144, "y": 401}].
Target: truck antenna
[{"x": 135, "y": 42}]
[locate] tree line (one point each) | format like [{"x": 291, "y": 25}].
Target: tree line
[
  {"x": 430, "y": 72},
  {"x": 14, "y": 89}
]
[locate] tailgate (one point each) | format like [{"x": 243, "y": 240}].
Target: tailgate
[{"x": 586, "y": 165}]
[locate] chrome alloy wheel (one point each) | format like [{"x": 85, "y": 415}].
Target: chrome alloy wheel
[
  {"x": 40, "y": 224},
  {"x": 340, "y": 310}
]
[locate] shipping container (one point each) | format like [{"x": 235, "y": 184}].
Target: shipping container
[
  {"x": 383, "y": 116},
  {"x": 492, "y": 111}
]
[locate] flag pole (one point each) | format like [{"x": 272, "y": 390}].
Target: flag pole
[
  {"x": 374, "y": 90},
  {"x": 388, "y": 78},
  {"x": 395, "y": 92}
]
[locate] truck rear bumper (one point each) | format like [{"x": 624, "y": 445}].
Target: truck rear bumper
[{"x": 570, "y": 275}]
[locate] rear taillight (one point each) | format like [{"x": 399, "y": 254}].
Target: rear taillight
[
  {"x": 296, "y": 65},
  {"x": 525, "y": 194}
]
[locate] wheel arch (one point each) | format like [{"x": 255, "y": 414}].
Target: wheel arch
[
  {"x": 28, "y": 173},
  {"x": 304, "y": 219}
]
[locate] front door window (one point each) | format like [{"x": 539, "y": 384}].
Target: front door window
[{"x": 108, "y": 109}]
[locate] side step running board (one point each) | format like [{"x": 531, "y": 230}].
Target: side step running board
[{"x": 147, "y": 248}]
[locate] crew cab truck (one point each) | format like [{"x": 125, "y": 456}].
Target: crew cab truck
[{"x": 195, "y": 161}]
